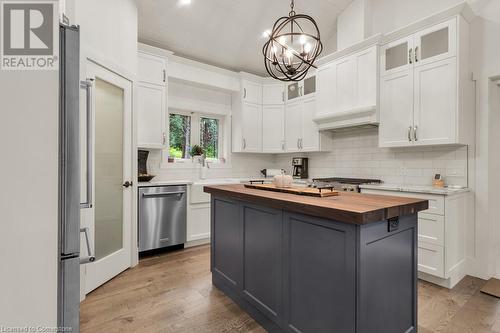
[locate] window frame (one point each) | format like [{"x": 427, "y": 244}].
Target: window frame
[{"x": 195, "y": 133}]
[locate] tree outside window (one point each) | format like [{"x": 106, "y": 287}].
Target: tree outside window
[
  {"x": 209, "y": 137},
  {"x": 180, "y": 135}
]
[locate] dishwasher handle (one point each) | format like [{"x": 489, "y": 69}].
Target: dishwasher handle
[{"x": 162, "y": 194}]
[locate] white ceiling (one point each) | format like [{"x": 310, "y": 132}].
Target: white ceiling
[{"x": 227, "y": 33}]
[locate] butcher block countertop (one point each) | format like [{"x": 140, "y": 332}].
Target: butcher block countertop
[{"x": 346, "y": 207}]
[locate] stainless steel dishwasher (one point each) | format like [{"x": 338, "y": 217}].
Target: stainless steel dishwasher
[{"x": 162, "y": 216}]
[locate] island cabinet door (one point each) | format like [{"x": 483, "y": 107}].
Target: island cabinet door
[
  {"x": 387, "y": 289},
  {"x": 262, "y": 272},
  {"x": 227, "y": 242},
  {"x": 319, "y": 275}
]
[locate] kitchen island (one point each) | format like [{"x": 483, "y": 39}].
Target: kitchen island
[{"x": 346, "y": 263}]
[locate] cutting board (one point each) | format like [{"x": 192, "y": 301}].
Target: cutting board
[{"x": 309, "y": 191}]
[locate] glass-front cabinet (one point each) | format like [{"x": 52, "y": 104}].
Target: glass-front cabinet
[
  {"x": 432, "y": 44},
  {"x": 295, "y": 90}
]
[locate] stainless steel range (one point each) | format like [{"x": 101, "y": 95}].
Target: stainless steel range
[{"x": 343, "y": 184}]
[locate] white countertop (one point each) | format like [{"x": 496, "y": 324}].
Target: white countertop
[{"x": 416, "y": 189}]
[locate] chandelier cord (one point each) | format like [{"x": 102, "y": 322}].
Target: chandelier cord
[{"x": 292, "y": 5}]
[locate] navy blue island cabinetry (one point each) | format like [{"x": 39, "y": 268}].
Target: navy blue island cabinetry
[{"x": 311, "y": 265}]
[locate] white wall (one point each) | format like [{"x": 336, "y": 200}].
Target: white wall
[
  {"x": 351, "y": 24},
  {"x": 29, "y": 198},
  {"x": 108, "y": 31}
]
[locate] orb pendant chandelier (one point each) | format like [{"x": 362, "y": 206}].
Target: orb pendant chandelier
[{"x": 292, "y": 47}]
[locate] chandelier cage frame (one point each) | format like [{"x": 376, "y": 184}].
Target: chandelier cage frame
[{"x": 298, "y": 64}]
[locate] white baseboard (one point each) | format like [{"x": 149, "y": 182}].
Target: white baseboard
[{"x": 197, "y": 242}]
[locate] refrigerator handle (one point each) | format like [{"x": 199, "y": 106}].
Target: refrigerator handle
[
  {"x": 88, "y": 85},
  {"x": 91, "y": 257}
]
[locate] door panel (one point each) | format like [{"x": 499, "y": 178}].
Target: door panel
[
  {"x": 293, "y": 126},
  {"x": 252, "y": 92},
  {"x": 366, "y": 77},
  {"x": 436, "y": 102},
  {"x": 151, "y": 69},
  {"x": 436, "y": 43},
  {"x": 326, "y": 96},
  {"x": 310, "y": 133},
  {"x": 396, "y": 109},
  {"x": 252, "y": 127},
  {"x": 397, "y": 56},
  {"x": 151, "y": 121},
  {"x": 111, "y": 221},
  {"x": 273, "y": 129},
  {"x": 346, "y": 84},
  {"x": 273, "y": 94},
  {"x": 311, "y": 277},
  {"x": 262, "y": 253}
]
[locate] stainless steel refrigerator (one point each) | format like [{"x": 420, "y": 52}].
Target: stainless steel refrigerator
[{"x": 69, "y": 180}]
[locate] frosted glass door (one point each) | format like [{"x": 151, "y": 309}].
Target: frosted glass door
[
  {"x": 436, "y": 43},
  {"x": 108, "y": 168},
  {"x": 110, "y": 219},
  {"x": 397, "y": 56}
]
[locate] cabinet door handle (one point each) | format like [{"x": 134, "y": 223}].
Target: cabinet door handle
[
  {"x": 409, "y": 133},
  {"x": 244, "y": 143},
  {"x": 164, "y": 76},
  {"x": 416, "y": 53},
  {"x": 301, "y": 90},
  {"x": 244, "y": 93},
  {"x": 283, "y": 96},
  {"x": 415, "y": 129},
  {"x": 410, "y": 56},
  {"x": 88, "y": 86},
  {"x": 164, "y": 138},
  {"x": 298, "y": 143},
  {"x": 283, "y": 146}
]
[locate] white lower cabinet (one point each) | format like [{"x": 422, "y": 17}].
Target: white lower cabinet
[
  {"x": 198, "y": 216},
  {"x": 441, "y": 235}
]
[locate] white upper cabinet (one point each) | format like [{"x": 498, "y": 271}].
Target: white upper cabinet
[
  {"x": 273, "y": 128},
  {"x": 348, "y": 90},
  {"x": 293, "y": 126},
  {"x": 426, "y": 100},
  {"x": 251, "y": 91},
  {"x": 396, "y": 56},
  {"x": 301, "y": 132},
  {"x": 435, "y": 104},
  {"x": 151, "y": 102},
  {"x": 435, "y": 43},
  {"x": 152, "y": 69},
  {"x": 304, "y": 88},
  {"x": 310, "y": 140},
  {"x": 273, "y": 94},
  {"x": 251, "y": 128},
  {"x": 396, "y": 101}
]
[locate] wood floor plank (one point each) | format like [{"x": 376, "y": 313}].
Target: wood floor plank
[{"x": 173, "y": 293}]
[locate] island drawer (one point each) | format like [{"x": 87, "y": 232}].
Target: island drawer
[
  {"x": 431, "y": 259},
  {"x": 431, "y": 228},
  {"x": 436, "y": 201}
]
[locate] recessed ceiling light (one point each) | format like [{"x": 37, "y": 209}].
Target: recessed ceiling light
[{"x": 184, "y": 2}]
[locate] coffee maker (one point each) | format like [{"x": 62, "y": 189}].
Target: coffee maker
[{"x": 300, "y": 169}]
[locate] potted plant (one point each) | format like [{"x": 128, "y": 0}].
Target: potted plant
[{"x": 196, "y": 152}]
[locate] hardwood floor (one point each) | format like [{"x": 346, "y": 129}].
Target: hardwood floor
[{"x": 173, "y": 293}]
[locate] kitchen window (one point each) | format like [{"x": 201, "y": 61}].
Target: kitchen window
[{"x": 188, "y": 129}]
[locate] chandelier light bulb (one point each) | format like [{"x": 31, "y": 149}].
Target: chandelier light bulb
[
  {"x": 303, "y": 39},
  {"x": 308, "y": 48},
  {"x": 282, "y": 40},
  {"x": 266, "y": 34}
]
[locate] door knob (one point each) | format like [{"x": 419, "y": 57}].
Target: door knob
[{"x": 127, "y": 184}]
